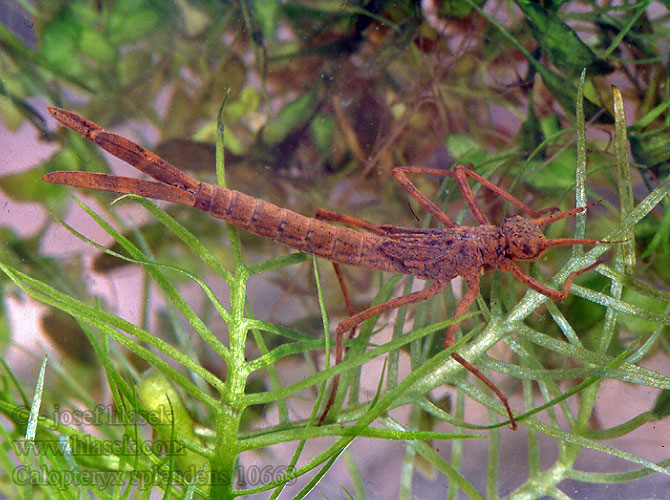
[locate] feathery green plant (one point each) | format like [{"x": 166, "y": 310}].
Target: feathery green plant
[{"x": 209, "y": 463}]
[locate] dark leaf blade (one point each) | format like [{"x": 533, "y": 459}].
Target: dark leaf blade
[{"x": 560, "y": 43}]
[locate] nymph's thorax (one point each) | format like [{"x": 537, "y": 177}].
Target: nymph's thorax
[{"x": 445, "y": 253}]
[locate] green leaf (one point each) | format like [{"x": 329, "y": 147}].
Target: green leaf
[
  {"x": 294, "y": 114},
  {"x": 465, "y": 149},
  {"x": 12, "y": 118},
  {"x": 652, "y": 147},
  {"x": 29, "y": 186},
  {"x": 624, "y": 182},
  {"x": 171, "y": 418},
  {"x": 131, "y": 21},
  {"x": 458, "y": 8},
  {"x": 265, "y": 13},
  {"x": 59, "y": 44},
  {"x": 637, "y": 325},
  {"x": 557, "y": 175},
  {"x": 560, "y": 43},
  {"x": 662, "y": 407},
  {"x": 94, "y": 44},
  {"x": 323, "y": 128},
  {"x": 248, "y": 102},
  {"x": 5, "y": 328},
  {"x": 561, "y": 88}
]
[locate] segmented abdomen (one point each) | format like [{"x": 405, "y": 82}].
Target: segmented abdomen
[{"x": 307, "y": 234}]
